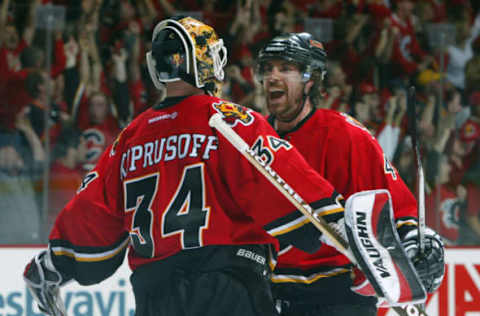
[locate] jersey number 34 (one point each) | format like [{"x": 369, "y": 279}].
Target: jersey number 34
[{"x": 186, "y": 214}]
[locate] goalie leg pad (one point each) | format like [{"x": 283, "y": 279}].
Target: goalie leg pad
[{"x": 376, "y": 245}]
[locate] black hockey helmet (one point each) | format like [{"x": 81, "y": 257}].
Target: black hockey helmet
[{"x": 298, "y": 48}]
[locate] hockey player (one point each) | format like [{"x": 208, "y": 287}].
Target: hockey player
[
  {"x": 182, "y": 200},
  {"x": 291, "y": 68}
]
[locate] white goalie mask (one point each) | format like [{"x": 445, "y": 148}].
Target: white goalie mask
[{"x": 188, "y": 50}]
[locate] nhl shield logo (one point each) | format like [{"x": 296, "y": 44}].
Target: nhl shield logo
[{"x": 233, "y": 113}]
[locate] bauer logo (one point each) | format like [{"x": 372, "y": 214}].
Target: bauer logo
[{"x": 251, "y": 255}]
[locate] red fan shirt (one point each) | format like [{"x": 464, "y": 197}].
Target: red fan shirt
[
  {"x": 98, "y": 138},
  {"x": 444, "y": 216},
  {"x": 406, "y": 49}
]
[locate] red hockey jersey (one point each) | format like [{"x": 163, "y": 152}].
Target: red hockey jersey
[
  {"x": 343, "y": 151},
  {"x": 170, "y": 182}
]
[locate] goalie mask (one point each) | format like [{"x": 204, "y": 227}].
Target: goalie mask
[
  {"x": 188, "y": 50},
  {"x": 298, "y": 48}
]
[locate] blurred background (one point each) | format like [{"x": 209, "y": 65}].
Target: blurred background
[{"x": 73, "y": 74}]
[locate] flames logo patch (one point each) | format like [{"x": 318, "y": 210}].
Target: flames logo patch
[{"x": 233, "y": 113}]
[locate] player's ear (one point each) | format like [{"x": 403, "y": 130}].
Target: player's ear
[{"x": 308, "y": 86}]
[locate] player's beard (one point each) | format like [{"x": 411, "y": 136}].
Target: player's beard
[{"x": 284, "y": 106}]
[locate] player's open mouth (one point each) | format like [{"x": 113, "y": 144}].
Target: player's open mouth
[{"x": 275, "y": 94}]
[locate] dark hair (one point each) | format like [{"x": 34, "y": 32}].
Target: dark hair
[
  {"x": 33, "y": 80},
  {"x": 30, "y": 57},
  {"x": 68, "y": 138}
]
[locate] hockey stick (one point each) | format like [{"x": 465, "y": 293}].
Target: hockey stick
[
  {"x": 288, "y": 192},
  {"x": 412, "y": 127}
]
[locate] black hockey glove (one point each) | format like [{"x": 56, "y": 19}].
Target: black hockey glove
[
  {"x": 44, "y": 281},
  {"x": 430, "y": 264}
]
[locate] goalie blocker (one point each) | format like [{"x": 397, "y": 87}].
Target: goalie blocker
[{"x": 376, "y": 245}]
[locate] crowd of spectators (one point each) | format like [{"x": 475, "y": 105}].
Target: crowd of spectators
[{"x": 61, "y": 118}]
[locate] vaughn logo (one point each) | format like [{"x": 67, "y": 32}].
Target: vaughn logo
[{"x": 371, "y": 250}]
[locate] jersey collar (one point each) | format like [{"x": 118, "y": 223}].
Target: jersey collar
[
  {"x": 170, "y": 101},
  {"x": 271, "y": 121}
]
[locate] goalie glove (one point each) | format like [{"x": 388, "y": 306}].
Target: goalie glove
[
  {"x": 44, "y": 281},
  {"x": 430, "y": 264}
]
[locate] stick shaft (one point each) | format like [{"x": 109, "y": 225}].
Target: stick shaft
[
  {"x": 421, "y": 205},
  {"x": 418, "y": 163}
]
